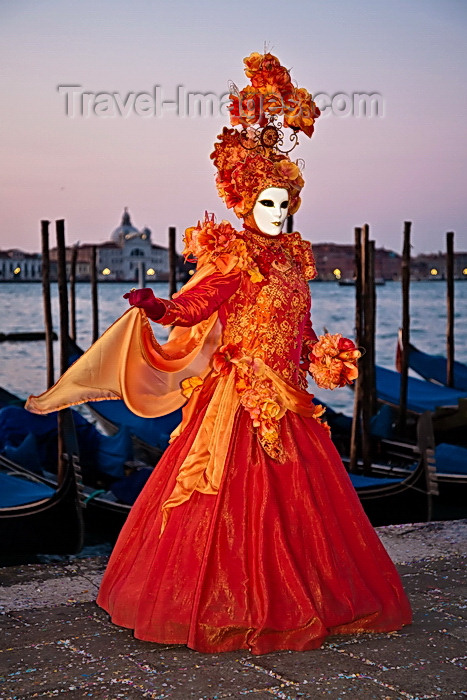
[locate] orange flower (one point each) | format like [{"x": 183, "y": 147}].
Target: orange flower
[
  {"x": 252, "y": 63},
  {"x": 270, "y": 409},
  {"x": 229, "y": 151},
  {"x": 273, "y": 102},
  {"x": 349, "y": 373},
  {"x": 327, "y": 345},
  {"x": 232, "y": 198},
  {"x": 288, "y": 169},
  {"x": 254, "y": 367},
  {"x": 319, "y": 411},
  {"x": 347, "y": 350},
  {"x": 208, "y": 237},
  {"x": 249, "y": 401},
  {"x": 258, "y": 397},
  {"x": 300, "y": 111},
  {"x": 247, "y": 107},
  {"x": 267, "y": 73},
  {"x": 294, "y": 206},
  {"x": 189, "y": 385},
  {"x": 226, "y": 355},
  {"x": 222, "y": 245},
  {"x": 327, "y": 375}
]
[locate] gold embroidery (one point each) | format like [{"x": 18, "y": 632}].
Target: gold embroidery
[{"x": 266, "y": 321}]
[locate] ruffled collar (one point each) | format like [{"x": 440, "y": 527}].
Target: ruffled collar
[{"x": 267, "y": 251}]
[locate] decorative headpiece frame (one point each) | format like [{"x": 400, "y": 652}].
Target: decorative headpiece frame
[{"x": 255, "y": 156}]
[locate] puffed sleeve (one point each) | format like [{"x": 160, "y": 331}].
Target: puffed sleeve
[{"x": 199, "y": 302}]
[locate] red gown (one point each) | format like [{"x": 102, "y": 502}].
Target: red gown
[{"x": 266, "y": 547}]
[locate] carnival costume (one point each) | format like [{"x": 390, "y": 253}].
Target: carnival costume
[{"x": 248, "y": 534}]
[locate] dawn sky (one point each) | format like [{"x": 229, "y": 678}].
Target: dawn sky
[{"x": 407, "y": 163}]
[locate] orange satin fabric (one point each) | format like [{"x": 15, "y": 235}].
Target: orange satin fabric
[
  {"x": 203, "y": 467},
  {"x": 128, "y": 363}
]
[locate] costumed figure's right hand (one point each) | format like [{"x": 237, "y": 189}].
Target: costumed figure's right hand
[{"x": 145, "y": 299}]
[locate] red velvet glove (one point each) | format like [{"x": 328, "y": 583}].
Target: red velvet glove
[{"x": 145, "y": 299}]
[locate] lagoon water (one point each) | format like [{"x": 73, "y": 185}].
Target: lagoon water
[{"x": 22, "y": 364}]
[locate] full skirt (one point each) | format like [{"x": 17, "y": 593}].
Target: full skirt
[{"x": 282, "y": 557}]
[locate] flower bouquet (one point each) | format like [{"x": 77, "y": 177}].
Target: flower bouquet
[{"x": 333, "y": 361}]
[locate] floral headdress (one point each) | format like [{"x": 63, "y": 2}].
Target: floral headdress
[{"x": 253, "y": 156}]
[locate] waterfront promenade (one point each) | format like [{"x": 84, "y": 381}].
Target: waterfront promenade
[{"x": 55, "y": 642}]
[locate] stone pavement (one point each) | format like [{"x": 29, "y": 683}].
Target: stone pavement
[{"x": 56, "y": 643}]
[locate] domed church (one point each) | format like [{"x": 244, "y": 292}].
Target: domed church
[{"x": 128, "y": 249}]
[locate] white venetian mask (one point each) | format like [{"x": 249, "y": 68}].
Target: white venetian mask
[{"x": 270, "y": 210}]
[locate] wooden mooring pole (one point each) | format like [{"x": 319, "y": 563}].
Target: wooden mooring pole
[
  {"x": 370, "y": 322},
  {"x": 141, "y": 275},
  {"x": 94, "y": 301},
  {"x": 74, "y": 257},
  {"x": 49, "y": 351},
  {"x": 62, "y": 294},
  {"x": 355, "y": 430},
  {"x": 367, "y": 387},
  {"x": 450, "y": 308},
  {"x": 172, "y": 262},
  {"x": 64, "y": 331},
  {"x": 405, "y": 331}
]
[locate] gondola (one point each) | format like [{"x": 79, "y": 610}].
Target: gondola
[
  {"x": 401, "y": 486},
  {"x": 451, "y": 463},
  {"x": 449, "y": 493},
  {"x": 434, "y": 367},
  {"x": 387, "y": 498},
  {"x": 449, "y": 403},
  {"x": 36, "y": 517},
  {"x": 109, "y": 488},
  {"x": 113, "y": 478},
  {"x": 421, "y": 395},
  {"x": 104, "y": 514}
]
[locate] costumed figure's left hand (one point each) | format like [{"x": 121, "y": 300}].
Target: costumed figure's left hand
[
  {"x": 145, "y": 299},
  {"x": 333, "y": 361}
]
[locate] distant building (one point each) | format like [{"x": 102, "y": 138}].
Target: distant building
[
  {"x": 17, "y": 265},
  {"x": 335, "y": 261},
  {"x": 121, "y": 258},
  {"x": 433, "y": 266}
]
